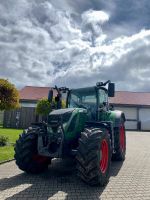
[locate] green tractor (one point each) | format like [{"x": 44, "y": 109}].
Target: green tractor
[{"x": 87, "y": 130}]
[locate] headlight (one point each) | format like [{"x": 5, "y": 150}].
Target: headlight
[
  {"x": 59, "y": 130},
  {"x": 49, "y": 129}
]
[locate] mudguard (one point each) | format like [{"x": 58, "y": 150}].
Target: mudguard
[{"x": 117, "y": 117}]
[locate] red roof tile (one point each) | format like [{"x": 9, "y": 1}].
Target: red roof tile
[
  {"x": 34, "y": 93},
  {"x": 131, "y": 98}
]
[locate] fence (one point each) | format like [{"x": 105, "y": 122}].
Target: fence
[
  {"x": 1, "y": 117},
  {"x": 19, "y": 118}
]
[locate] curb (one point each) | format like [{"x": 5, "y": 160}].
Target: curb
[{"x": 6, "y": 161}]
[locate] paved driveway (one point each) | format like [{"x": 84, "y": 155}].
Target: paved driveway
[{"x": 130, "y": 180}]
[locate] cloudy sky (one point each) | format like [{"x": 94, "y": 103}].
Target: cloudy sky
[{"x": 75, "y": 43}]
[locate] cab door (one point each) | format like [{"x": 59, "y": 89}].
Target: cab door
[{"x": 102, "y": 104}]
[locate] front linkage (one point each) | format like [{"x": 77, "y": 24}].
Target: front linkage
[{"x": 50, "y": 138}]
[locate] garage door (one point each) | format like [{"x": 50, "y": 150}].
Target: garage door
[
  {"x": 131, "y": 117},
  {"x": 144, "y": 117}
]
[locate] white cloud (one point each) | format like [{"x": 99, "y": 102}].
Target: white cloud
[
  {"x": 96, "y": 17},
  {"x": 91, "y": 26},
  {"x": 40, "y": 45}
]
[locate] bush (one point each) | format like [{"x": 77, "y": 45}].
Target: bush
[
  {"x": 63, "y": 104},
  {"x": 43, "y": 107},
  {"x": 3, "y": 141},
  {"x": 9, "y": 96}
]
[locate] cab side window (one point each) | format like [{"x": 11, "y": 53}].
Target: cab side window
[{"x": 103, "y": 97}]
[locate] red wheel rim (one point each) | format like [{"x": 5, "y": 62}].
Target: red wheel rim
[
  {"x": 104, "y": 156},
  {"x": 122, "y": 138},
  {"x": 39, "y": 159}
]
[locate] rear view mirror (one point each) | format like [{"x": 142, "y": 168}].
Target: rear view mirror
[
  {"x": 111, "y": 89},
  {"x": 50, "y": 95}
]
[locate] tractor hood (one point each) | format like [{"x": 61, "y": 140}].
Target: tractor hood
[
  {"x": 62, "y": 111},
  {"x": 60, "y": 115},
  {"x": 63, "y": 115}
]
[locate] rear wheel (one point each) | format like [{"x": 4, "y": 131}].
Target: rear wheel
[
  {"x": 94, "y": 157},
  {"x": 120, "y": 143},
  {"x": 26, "y": 153}
]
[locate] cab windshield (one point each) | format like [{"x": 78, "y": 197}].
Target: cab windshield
[{"x": 83, "y": 98}]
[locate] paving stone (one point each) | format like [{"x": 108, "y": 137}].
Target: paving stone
[{"x": 129, "y": 180}]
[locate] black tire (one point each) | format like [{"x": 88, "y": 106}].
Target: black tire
[
  {"x": 26, "y": 154},
  {"x": 89, "y": 157},
  {"x": 120, "y": 145}
]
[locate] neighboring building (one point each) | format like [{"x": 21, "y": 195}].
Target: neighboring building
[
  {"x": 29, "y": 95},
  {"x": 136, "y": 106}
]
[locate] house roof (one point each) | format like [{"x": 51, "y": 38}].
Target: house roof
[
  {"x": 131, "y": 98},
  {"x": 32, "y": 93}
]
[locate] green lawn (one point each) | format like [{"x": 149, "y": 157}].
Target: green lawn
[{"x": 7, "y": 152}]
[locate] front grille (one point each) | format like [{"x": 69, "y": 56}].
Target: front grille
[{"x": 54, "y": 119}]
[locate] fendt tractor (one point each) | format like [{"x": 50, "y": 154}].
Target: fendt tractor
[{"x": 88, "y": 130}]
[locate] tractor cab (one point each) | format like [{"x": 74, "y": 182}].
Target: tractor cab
[
  {"x": 93, "y": 99},
  {"x": 84, "y": 98}
]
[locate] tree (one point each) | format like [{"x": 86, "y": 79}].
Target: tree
[{"x": 9, "y": 95}]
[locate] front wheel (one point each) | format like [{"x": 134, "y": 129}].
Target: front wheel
[
  {"x": 26, "y": 153},
  {"x": 94, "y": 157}
]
